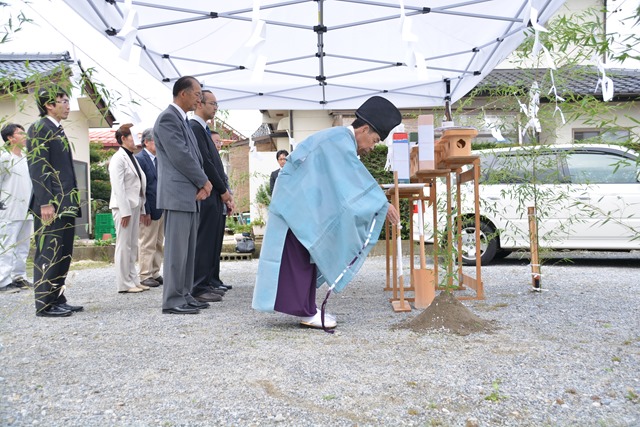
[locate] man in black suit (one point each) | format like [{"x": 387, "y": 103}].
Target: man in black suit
[
  {"x": 281, "y": 156},
  {"x": 151, "y": 237},
  {"x": 207, "y": 286},
  {"x": 216, "y": 282},
  {"x": 55, "y": 202}
]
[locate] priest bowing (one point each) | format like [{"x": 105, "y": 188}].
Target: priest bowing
[{"x": 325, "y": 215}]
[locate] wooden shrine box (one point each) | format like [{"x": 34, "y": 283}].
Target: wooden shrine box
[{"x": 455, "y": 142}]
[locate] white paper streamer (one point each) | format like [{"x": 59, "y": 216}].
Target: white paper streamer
[
  {"x": 399, "y": 253},
  {"x": 257, "y": 60},
  {"x": 558, "y": 98},
  {"x": 606, "y": 82},
  {"x": 420, "y": 218},
  {"x": 537, "y": 28},
  {"x": 129, "y": 31},
  {"x": 495, "y": 130},
  {"x": 531, "y": 111},
  {"x": 414, "y": 59}
]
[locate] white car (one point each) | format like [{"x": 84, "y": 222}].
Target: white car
[{"x": 587, "y": 197}]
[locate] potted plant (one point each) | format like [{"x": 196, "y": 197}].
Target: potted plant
[
  {"x": 258, "y": 225},
  {"x": 262, "y": 200}
]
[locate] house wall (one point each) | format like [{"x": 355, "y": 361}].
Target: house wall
[
  {"x": 23, "y": 110},
  {"x": 623, "y": 115},
  {"x": 261, "y": 164},
  {"x": 239, "y": 175},
  {"x": 305, "y": 123}
]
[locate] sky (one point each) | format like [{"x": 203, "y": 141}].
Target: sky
[{"x": 56, "y": 28}]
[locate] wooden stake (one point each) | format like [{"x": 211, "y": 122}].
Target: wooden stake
[{"x": 535, "y": 260}]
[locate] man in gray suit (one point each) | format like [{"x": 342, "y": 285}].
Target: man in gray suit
[{"x": 182, "y": 184}]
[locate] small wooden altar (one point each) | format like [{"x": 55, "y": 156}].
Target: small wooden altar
[{"x": 452, "y": 153}]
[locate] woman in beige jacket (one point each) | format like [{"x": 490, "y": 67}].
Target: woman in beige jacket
[{"x": 128, "y": 184}]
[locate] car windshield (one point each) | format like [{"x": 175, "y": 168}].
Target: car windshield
[{"x": 520, "y": 167}]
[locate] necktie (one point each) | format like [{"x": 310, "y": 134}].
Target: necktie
[
  {"x": 155, "y": 163},
  {"x": 206, "y": 128}
]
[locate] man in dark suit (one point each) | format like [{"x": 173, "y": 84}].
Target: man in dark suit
[
  {"x": 182, "y": 184},
  {"x": 55, "y": 202},
  {"x": 207, "y": 285},
  {"x": 151, "y": 237},
  {"x": 281, "y": 156}
]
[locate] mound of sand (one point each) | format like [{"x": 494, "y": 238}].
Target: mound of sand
[{"x": 446, "y": 312}]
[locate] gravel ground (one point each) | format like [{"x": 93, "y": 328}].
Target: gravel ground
[{"x": 569, "y": 356}]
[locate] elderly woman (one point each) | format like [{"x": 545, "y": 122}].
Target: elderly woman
[{"x": 128, "y": 184}]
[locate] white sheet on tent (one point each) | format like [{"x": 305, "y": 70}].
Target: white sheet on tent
[{"x": 333, "y": 54}]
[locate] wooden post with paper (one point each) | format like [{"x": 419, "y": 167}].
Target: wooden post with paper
[
  {"x": 399, "y": 304},
  {"x": 424, "y": 279}
]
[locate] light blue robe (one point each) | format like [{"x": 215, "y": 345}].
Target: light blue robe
[{"x": 333, "y": 206}]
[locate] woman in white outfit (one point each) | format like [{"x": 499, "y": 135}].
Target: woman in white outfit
[{"x": 128, "y": 184}]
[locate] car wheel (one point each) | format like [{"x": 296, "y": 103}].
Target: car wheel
[{"x": 488, "y": 243}]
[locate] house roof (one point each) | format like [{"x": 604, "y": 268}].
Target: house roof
[
  {"x": 22, "y": 66},
  {"x": 264, "y": 130},
  {"x": 228, "y": 133},
  {"x": 580, "y": 80},
  {"x": 105, "y": 137}
]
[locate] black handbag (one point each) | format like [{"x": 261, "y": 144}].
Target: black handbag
[{"x": 246, "y": 245}]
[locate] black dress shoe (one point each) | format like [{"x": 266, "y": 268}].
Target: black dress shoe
[
  {"x": 181, "y": 309},
  {"x": 217, "y": 291},
  {"x": 54, "y": 311},
  {"x": 159, "y": 279},
  {"x": 222, "y": 287},
  {"x": 22, "y": 283},
  {"x": 198, "y": 304},
  {"x": 208, "y": 297},
  {"x": 73, "y": 308},
  {"x": 152, "y": 283}
]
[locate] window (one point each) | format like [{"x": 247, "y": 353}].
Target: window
[
  {"x": 522, "y": 168},
  {"x": 602, "y": 136},
  {"x": 81, "y": 170},
  {"x": 600, "y": 168}
]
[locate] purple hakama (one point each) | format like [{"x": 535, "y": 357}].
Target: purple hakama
[{"x": 297, "y": 280}]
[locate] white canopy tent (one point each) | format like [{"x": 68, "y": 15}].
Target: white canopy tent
[{"x": 319, "y": 54}]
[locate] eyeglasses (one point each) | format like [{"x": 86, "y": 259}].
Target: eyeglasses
[
  {"x": 64, "y": 101},
  {"x": 213, "y": 103}
]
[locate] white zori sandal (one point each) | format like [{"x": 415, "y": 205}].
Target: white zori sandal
[{"x": 316, "y": 321}]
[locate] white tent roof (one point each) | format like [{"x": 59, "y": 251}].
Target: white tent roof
[{"x": 319, "y": 54}]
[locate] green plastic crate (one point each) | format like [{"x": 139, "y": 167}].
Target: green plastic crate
[{"x": 104, "y": 225}]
